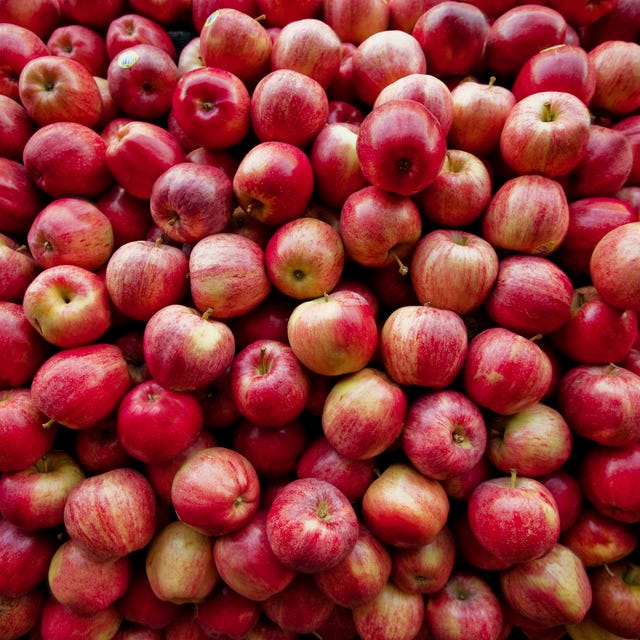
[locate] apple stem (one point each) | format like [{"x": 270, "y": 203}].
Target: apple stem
[
  {"x": 547, "y": 115},
  {"x": 612, "y": 368},
  {"x": 207, "y": 314},
  {"x": 402, "y": 268},
  {"x": 261, "y": 18},
  {"x": 492, "y": 81},
  {"x": 42, "y": 465},
  {"x": 47, "y": 245},
  {"x": 174, "y": 219},
  {"x": 537, "y": 337},
  {"x": 48, "y": 424},
  {"x": 262, "y": 365},
  {"x": 22, "y": 248},
  {"x": 326, "y": 297},
  {"x": 159, "y": 241},
  {"x": 514, "y": 478}
]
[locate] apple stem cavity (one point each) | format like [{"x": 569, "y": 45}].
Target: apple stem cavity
[
  {"x": 631, "y": 574},
  {"x": 323, "y": 510}
]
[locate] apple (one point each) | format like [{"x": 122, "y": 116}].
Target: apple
[
  {"x": 444, "y": 434},
  {"x": 567, "y": 493},
  {"x": 629, "y": 128},
  {"x": 134, "y": 272},
  {"x": 480, "y": 111},
  {"x": 453, "y": 38},
  {"x": 535, "y": 441},
  {"x": 460, "y": 486},
  {"x": 19, "y": 45},
  {"x": 531, "y": 295},
  {"x": 550, "y": 590},
  {"x": 190, "y": 56},
  {"x": 164, "y": 14},
  {"x": 404, "y": 508},
  {"x": 379, "y": 228},
  {"x": 288, "y": 106},
  {"x": 546, "y": 133},
  {"x": 338, "y": 625},
  {"x": 233, "y": 40},
  {"x": 425, "y": 569},
  {"x": 24, "y": 437},
  {"x": 621, "y": 22},
  {"x": 138, "y": 153},
  {"x": 394, "y": 612},
  {"x": 616, "y": 94},
  {"x": 364, "y": 413},
  {"x": 226, "y": 612},
  {"x": 142, "y": 79},
  {"x": 322, "y": 460},
  {"x": 227, "y": 274},
  {"x": 130, "y": 217},
  {"x": 504, "y": 371},
  {"x": 356, "y": 21},
  {"x": 82, "y": 44},
  {"x": 311, "y": 525},
  {"x": 341, "y": 91},
  {"x": 41, "y": 18},
  {"x": 403, "y": 14},
  {"x": 16, "y": 127},
  {"x": 212, "y": 106},
  {"x": 67, "y": 159},
  {"x": 24, "y": 559},
  {"x": 589, "y": 220},
  {"x": 453, "y": 269},
  {"x": 130, "y": 29},
  {"x": 99, "y": 449},
  {"x": 344, "y": 330},
  {"x": 58, "y": 622},
  {"x": 310, "y": 46},
  {"x": 361, "y": 576},
  {"x": 20, "y": 199},
  {"x": 282, "y": 14},
  {"x": 613, "y": 256},
  {"x": 598, "y": 539},
  {"x": 401, "y": 147},
  {"x": 305, "y": 258},
  {"x": 383, "y": 58},
  {"x": 410, "y": 354},
  {"x": 84, "y": 583},
  {"x": 299, "y": 608},
  {"x": 514, "y": 517},
  {"x": 216, "y": 491},
  {"x": 517, "y": 33},
  {"x": 33, "y": 498},
  {"x": 21, "y": 615},
  {"x": 466, "y": 607},
  {"x": 81, "y": 386},
  {"x": 179, "y": 564},
  {"x": 259, "y": 180},
  {"x": 24, "y": 348},
  {"x": 582, "y": 13},
  {"x": 527, "y": 214}
]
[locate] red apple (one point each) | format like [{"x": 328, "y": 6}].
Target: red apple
[
  {"x": 401, "y": 147},
  {"x": 311, "y": 525},
  {"x": 216, "y": 491},
  {"x": 344, "y": 331},
  {"x": 58, "y": 622},
  {"x": 621, "y": 22},
  {"x": 281, "y": 14},
  {"x": 444, "y": 434},
  {"x": 83, "y": 12},
  {"x": 356, "y": 21},
  {"x": 99, "y": 449},
  {"x": 130, "y": 29},
  {"x": 164, "y": 13},
  {"x": 567, "y": 493},
  {"x": 82, "y": 44},
  {"x": 21, "y": 615},
  {"x": 226, "y": 612},
  {"x": 404, "y": 508},
  {"x": 410, "y": 352},
  {"x": 515, "y": 518},
  {"x": 16, "y": 127},
  {"x": 20, "y": 199},
  {"x": 40, "y": 17},
  {"x": 453, "y": 269},
  {"x": 581, "y": 13}
]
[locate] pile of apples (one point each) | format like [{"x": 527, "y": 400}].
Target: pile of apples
[{"x": 319, "y": 319}]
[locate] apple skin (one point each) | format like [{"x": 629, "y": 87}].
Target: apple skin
[
  {"x": 179, "y": 564},
  {"x": 67, "y": 159},
  {"x": 527, "y": 214},
  {"x": 411, "y": 357},
  {"x": 589, "y": 220},
  {"x": 305, "y": 258},
  {"x": 403, "y": 508},
  {"x": 84, "y": 583},
  {"x": 612, "y": 259},
  {"x": 551, "y": 590},
  {"x": 40, "y": 18},
  {"x": 401, "y": 147},
  {"x": 33, "y": 498},
  {"x": 622, "y": 22},
  {"x": 354, "y": 22},
  {"x": 363, "y": 413},
  {"x": 20, "y": 201},
  {"x": 21, "y": 615},
  {"x": 545, "y": 133},
  {"x": 379, "y": 228},
  {"x": 453, "y": 269},
  {"x": 24, "y": 559},
  {"x": 344, "y": 330},
  {"x": 288, "y": 106},
  {"x": 82, "y": 44},
  {"x": 606, "y": 475},
  {"x": 515, "y": 518},
  {"x": 80, "y": 386},
  {"x": 226, "y": 612},
  {"x": 247, "y": 564},
  {"x": 16, "y": 127},
  {"x": 393, "y": 612},
  {"x": 24, "y": 437},
  {"x": 361, "y": 576},
  {"x": 444, "y": 434},
  {"x": 629, "y": 128},
  {"x": 58, "y": 622},
  {"x": 542, "y": 305},
  {"x": 24, "y": 348},
  {"x": 466, "y": 607},
  {"x": 130, "y": 217},
  {"x": 216, "y": 491},
  {"x": 535, "y": 441},
  {"x": 215, "y": 263},
  {"x": 567, "y": 493},
  {"x": 111, "y": 514},
  {"x": 598, "y": 539},
  {"x": 311, "y": 525}
]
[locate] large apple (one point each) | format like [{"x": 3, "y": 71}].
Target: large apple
[{"x": 82, "y": 44}]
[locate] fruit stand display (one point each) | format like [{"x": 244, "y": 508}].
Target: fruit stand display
[{"x": 319, "y": 319}]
